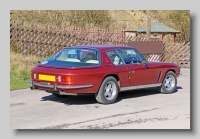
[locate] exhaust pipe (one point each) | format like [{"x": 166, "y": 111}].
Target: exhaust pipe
[{"x": 64, "y": 93}]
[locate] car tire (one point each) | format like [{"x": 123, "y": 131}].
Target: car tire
[
  {"x": 108, "y": 91},
  {"x": 169, "y": 83}
]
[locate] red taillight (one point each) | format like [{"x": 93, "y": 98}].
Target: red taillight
[{"x": 66, "y": 79}]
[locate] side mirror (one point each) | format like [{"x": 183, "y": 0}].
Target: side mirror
[{"x": 144, "y": 63}]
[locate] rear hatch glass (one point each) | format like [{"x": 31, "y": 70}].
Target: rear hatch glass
[{"x": 73, "y": 58}]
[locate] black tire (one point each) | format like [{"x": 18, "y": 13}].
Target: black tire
[
  {"x": 169, "y": 83},
  {"x": 108, "y": 91}
]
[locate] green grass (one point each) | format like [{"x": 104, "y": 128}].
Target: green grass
[
  {"x": 19, "y": 79},
  {"x": 20, "y": 84},
  {"x": 20, "y": 69}
]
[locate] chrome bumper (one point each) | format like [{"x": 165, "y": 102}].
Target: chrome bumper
[
  {"x": 179, "y": 74},
  {"x": 56, "y": 87}
]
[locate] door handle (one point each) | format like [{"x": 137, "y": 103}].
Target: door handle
[{"x": 131, "y": 71}]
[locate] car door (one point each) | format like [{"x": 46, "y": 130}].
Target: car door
[
  {"x": 139, "y": 73},
  {"x": 119, "y": 67}
]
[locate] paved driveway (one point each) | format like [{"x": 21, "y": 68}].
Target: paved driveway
[{"x": 138, "y": 109}]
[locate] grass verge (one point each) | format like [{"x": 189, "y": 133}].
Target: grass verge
[{"x": 20, "y": 68}]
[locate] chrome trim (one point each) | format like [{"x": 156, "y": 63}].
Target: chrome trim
[
  {"x": 43, "y": 84},
  {"x": 55, "y": 87},
  {"x": 73, "y": 87},
  {"x": 30, "y": 82},
  {"x": 120, "y": 57},
  {"x": 139, "y": 87},
  {"x": 179, "y": 74},
  {"x": 159, "y": 76}
]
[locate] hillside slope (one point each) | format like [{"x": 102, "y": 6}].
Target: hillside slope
[{"x": 112, "y": 19}]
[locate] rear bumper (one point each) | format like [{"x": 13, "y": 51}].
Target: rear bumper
[{"x": 56, "y": 87}]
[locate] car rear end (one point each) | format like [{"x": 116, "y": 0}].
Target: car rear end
[{"x": 72, "y": 75}]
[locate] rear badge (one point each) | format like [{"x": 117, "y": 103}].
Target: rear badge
[{"x": 44, "y": 62}]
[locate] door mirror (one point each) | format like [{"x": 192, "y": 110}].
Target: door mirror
[{"x": 144, "y": 63}]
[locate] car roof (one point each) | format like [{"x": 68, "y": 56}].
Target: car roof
[{"x": 102, "y": 47}]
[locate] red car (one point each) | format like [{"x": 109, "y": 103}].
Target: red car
[{"x": 102, "y": 70}]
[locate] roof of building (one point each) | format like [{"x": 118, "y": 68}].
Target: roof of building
[{"x": 157, "y": 27}]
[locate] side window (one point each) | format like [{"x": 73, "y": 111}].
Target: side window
[
  {"x": 130, "y": 56},
  {"x": 114, "y": 57}
]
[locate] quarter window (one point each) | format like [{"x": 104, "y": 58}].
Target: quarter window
[{"x": 114, "y": 57}]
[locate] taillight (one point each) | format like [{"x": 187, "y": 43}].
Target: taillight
[
  {"x": 65, "y": 79},
  {"x": 69, "y": 79}
]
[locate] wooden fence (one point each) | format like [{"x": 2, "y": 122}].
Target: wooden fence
[
  {"x": 41, "y": 41},
  {"x": 44, "y": 41}
]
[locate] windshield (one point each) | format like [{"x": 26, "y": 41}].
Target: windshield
[{"x": 74, "y": 57}]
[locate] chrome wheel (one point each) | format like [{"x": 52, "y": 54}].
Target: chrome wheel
[
  {"x": 110, "y": 90},
  {"x": 169, "y": 82}
]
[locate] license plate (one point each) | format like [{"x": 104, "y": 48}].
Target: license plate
[{"x": 46, "y": 77}]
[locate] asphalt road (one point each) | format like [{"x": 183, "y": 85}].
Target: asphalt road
[{"x": 138, "y": 109}]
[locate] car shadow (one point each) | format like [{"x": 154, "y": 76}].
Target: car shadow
[
  {"x": 141, "y": 93},
  {"x": 90, "y": 99},
  {"x": 71, "y": 100}
]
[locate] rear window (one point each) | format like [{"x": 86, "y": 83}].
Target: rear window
[{"x": 75, "y": 56}]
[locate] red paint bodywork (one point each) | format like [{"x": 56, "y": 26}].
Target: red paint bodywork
[{"x": 95, "y": 75}]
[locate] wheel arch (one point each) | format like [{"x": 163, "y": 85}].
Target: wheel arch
[
  {"x": 173, "y": 70},
  {"x": 170, "y": 70},
  {"x": 167, "y": 72},
  {"x": 113, "y": 75}
]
